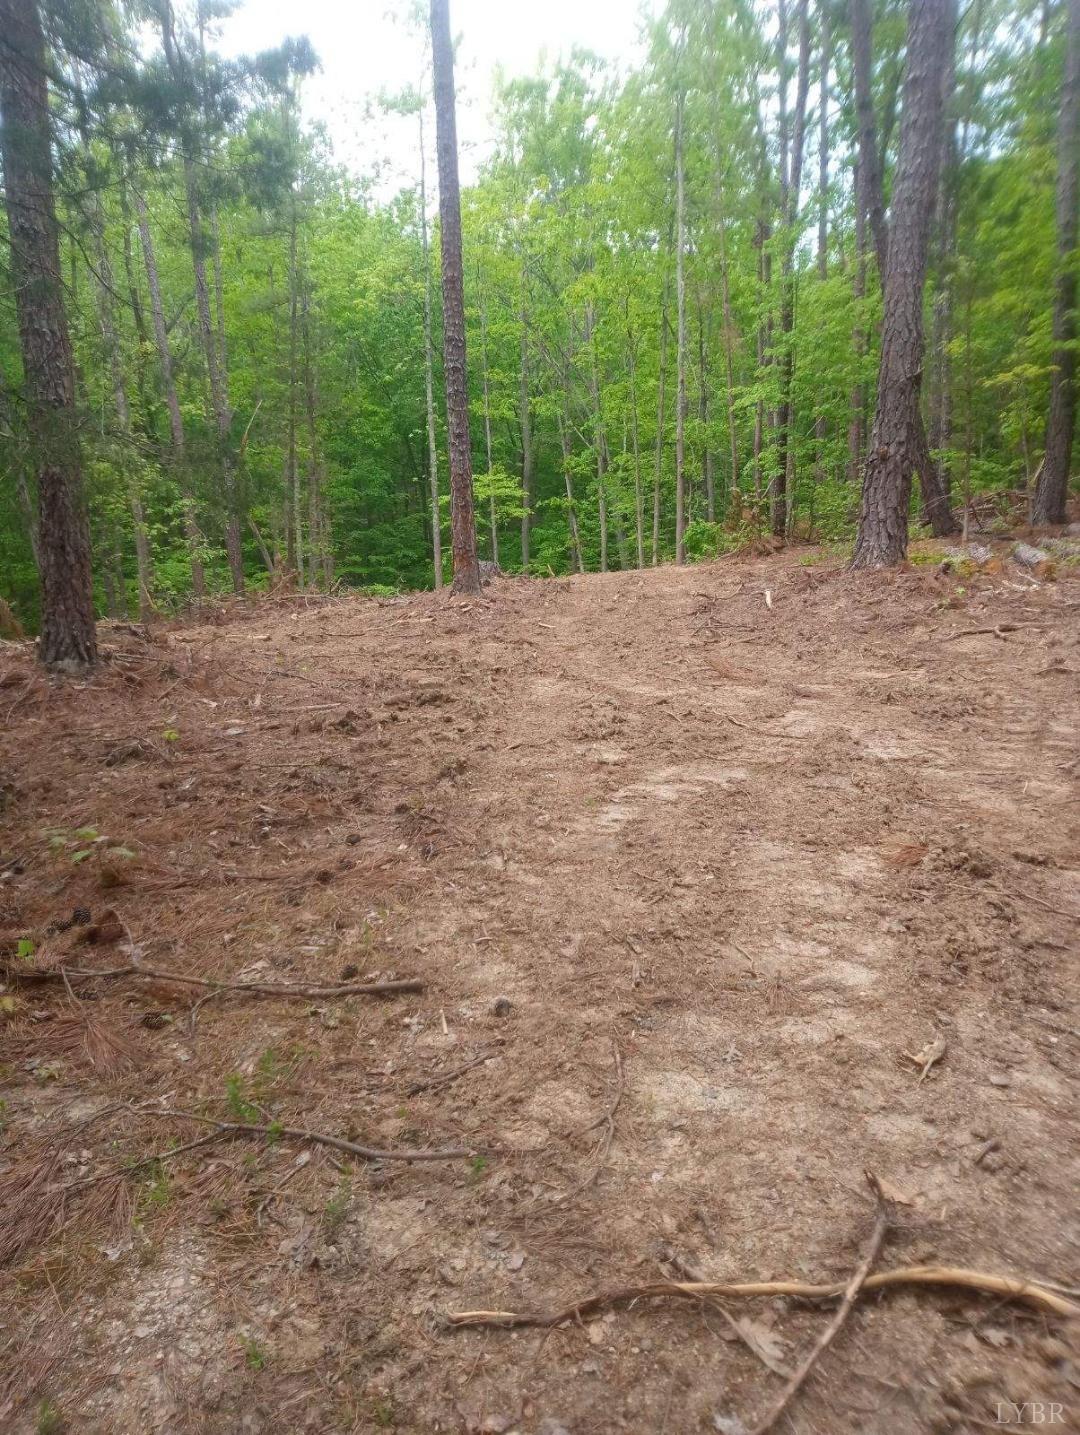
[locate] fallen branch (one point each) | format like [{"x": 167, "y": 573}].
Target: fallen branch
[
  {"x": 436, "y": 1083},
  {"x": 1027, "y": 1292},
  {"x": 274, "y": 989},
  {"x": 318, "y": 1138},
  {"x": 800, "y": 736},
  {"x": 829, "y": 1334},
  {"x": 998, "y": 630}
]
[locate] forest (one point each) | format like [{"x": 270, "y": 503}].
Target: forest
[{"x": 672, "y": 285}]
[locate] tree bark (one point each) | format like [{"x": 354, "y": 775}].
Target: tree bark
[
  {"x": 639, "y": 493},
  {"x": 487, "y": 426},
  {"x": 68, "y": 640},
  {"x": 571, "y": 511},
  {"x": 462, "y": 515},
  {"x": 897, "y": 434},
  {"x": 661, "y": 415},
  {"x": 600, "y": 438},
  {"x": 1052, "y": 487},
  {"x": 429, "y": 371}
]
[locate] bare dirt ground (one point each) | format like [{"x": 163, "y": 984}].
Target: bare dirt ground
[{"x": 689, "y": 877}]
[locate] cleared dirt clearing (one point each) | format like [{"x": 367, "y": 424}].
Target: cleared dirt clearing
[{"x": 691, "y": 881}]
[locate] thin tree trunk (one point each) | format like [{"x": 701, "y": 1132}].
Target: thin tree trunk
[
  {"x": 894, "y": 454},
  {"x": 111, "y": 343},
  {"x": 487, "y": 427},
  {"x": 462, "y": 515},
  {"x": 857, "y": 403},
  {"x": 639, "y": 492},
  {"x": 790, "y": 206},
  {"x": 680, "y": 361},
  {"x": 708, "y": 474},
  {"x": 429, "y": 371},
  {"x": 321, "y": 539},
  {"x": 729, "y": 357},
  {"x": 600, "y": 437},
  {"x": 192, "y": 535},
  {"x": 571, "y": 511},
  {"x": 68, "y": 638},
  {"x": 527, "y": 456},
  {"x": 1053, "y": 483},
  {"x": 820, "y": 423},
  {"x": 660, "y": 417}
]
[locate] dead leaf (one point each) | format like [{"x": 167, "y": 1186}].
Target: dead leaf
[
  {"x": 928, "y": 1056},
  {"x": 767, "y": 1346}
]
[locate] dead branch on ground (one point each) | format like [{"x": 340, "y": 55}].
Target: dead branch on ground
[
  {"x": 319, "y": 1138},
  {"x": 22, "y": 972},
  {"x": 606, "y": 1121},
  {"x": 1009, "y": 1288},
  {"x": 828, "y": 1335}
]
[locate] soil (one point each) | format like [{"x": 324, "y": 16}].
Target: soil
[{"x": 693, "y": 863}]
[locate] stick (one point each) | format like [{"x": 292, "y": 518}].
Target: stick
[
  {"x": 801, "y": 736},
  {"x": 336, "y": 1143},
  {"x": 435, "y": 1083},
  {"x": 1027, "y": 1292},
  {"x": 271, "y": 989},
  {"x": 829, "y": 1334},
  {"x": 607, "y": 1120}
]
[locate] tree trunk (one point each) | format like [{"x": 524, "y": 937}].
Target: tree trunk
[
  {"x": 857, "y": 402},
  {"x": 600, "y": 438},
  {"x": 897, "y": 432},
  {"x": 639, "y": 492},
  {"x": 1052, "y": 488},
  {"x": 680, "y": 361},
  {"x": 527, "y": 456},
  {"x": 729, "y": 354},
  {"x": 571, "y": 512},
  {"x": 322, "y": 548},
  {"x": 429, "y": 371},
  {"x": 68, "y": 640},
  {"x": 462, "y": 516},
  {"x": 790, "y": 185},
  {"x": 296, "y": 527},
  {"x": 660, "y": 417},
  {"x": 820, "y": 425},
  {"x": 487, "y": 427},
  {"x": 172, "y": 402}
]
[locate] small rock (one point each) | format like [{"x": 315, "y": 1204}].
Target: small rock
[
  {"x": 516, "y": 1261},
  {"x": 999, "y": 1078},
  {"x": 502, "y": 1006}
]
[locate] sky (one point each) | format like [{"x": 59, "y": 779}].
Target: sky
[{"x": 364, "y": 49}]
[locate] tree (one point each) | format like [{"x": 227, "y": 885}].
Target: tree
[
  {"x": 462, "y": 516},
  {"x": 897, "y": 432},
  {"x": 1053, "y": 482},
  {"x": 68, "y": 639}
]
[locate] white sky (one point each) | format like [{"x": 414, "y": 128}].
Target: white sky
[{"x": 363, "y": 49}]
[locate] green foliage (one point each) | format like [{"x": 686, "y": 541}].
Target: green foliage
[{"x": 569, "y": 268}]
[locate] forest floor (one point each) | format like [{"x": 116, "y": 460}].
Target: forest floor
[{"x": 692, "y": 864}]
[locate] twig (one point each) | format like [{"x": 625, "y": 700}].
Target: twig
[
  {"x": 272, "y": 989},
  {"x": 829, "y": 1334},
  {"x": 999, "y": 631},
  {"x": 737, "y": 1331},
  {"x": 1027, "y": 1292},
  {"x": 759, "y": 732},
  {"x": 336, "y": 1143},
  {"x": 436, "y": 1083},
  {"x": 1031, "y": 897}
]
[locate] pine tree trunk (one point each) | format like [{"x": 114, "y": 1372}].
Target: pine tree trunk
[
  {"x": 429, "y": 372},
  {"x": 729, "y": 357},
  {"x": 600, "y": 439},
  {"x": 1052, "y": 487},
  {"x": 322, "y": 548},
  {"x": 898, "y": 432},
  {"x": 680, "y": 360},
  {"x": 857, "y": 402},
  {"x": 934, "y": 500},
  {"x": 462, "y": 515},
  {"x": 68, "y": 640}
]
